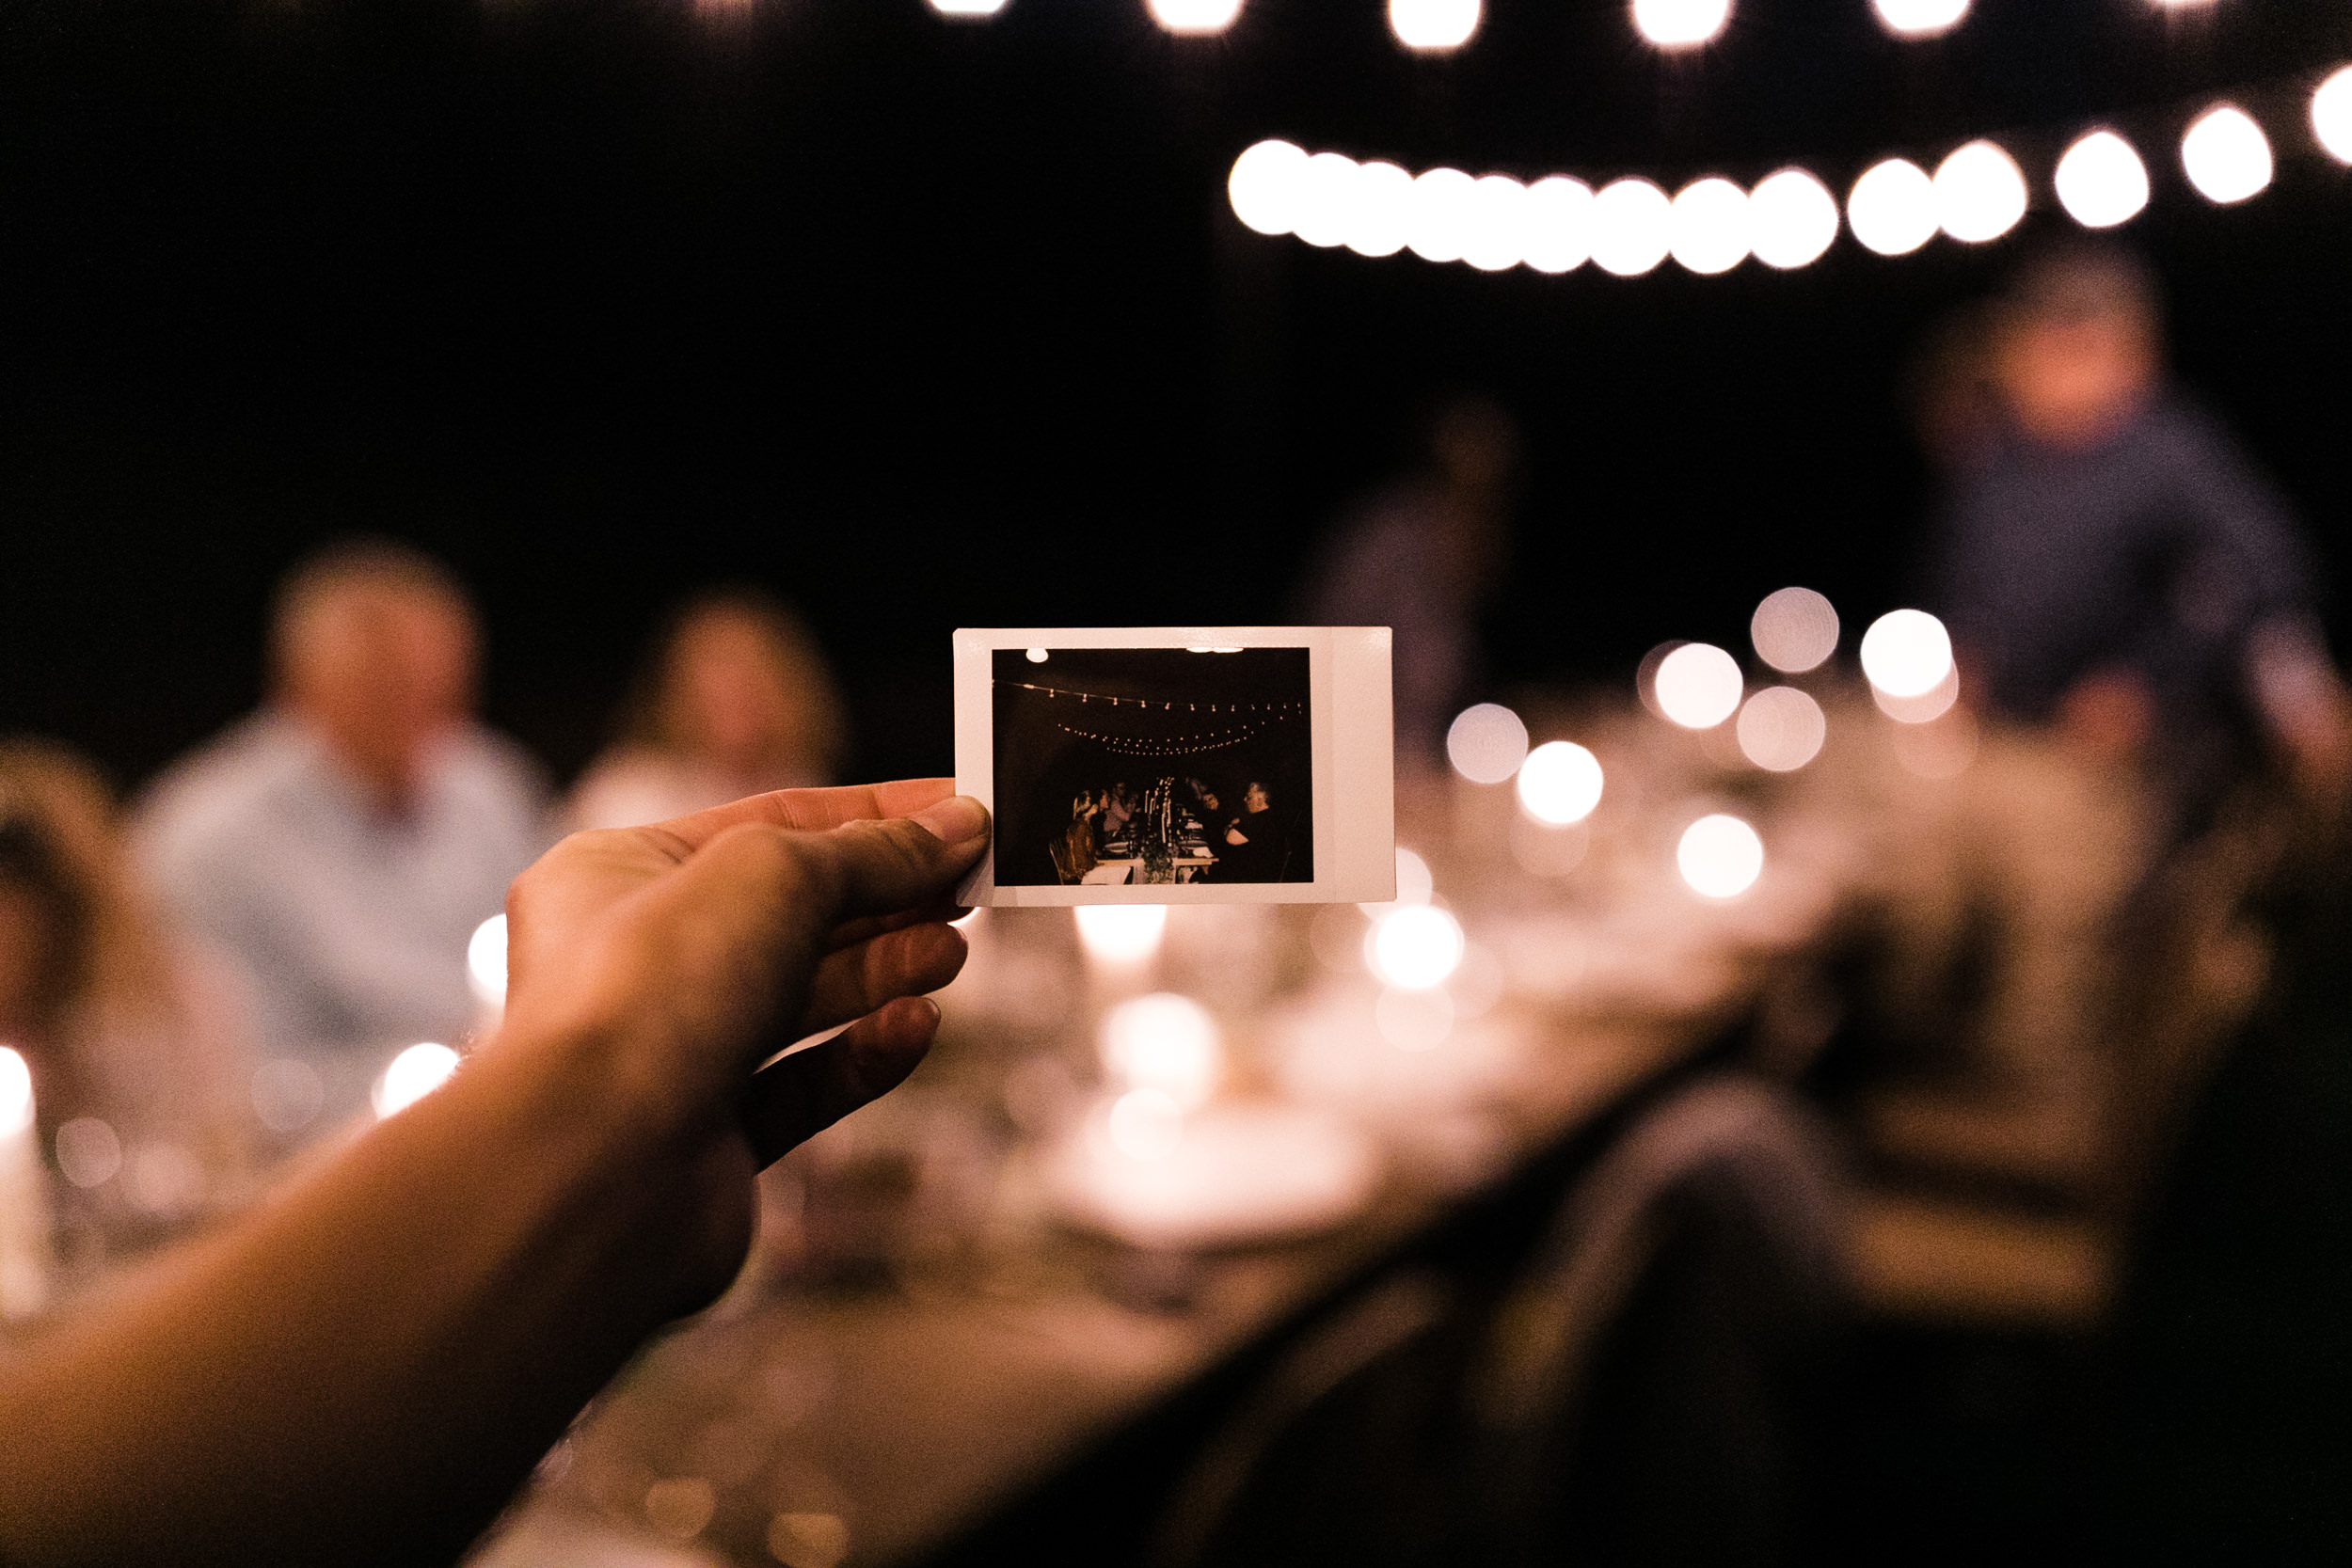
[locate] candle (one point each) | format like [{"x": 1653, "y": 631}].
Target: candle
[{"x": 24, "y": 1195}]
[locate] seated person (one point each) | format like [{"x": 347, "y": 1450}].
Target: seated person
[
  {"x": 142, "y": 1089},
  {"x": 736, "y": 699},
  {"x": 364, "y": 1368},
  {"x": 341, "y": 844}
]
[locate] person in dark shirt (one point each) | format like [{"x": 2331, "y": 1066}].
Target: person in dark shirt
[
  {"x": 2110, "y": 563},
  {"x": 1252, "y": 844}
]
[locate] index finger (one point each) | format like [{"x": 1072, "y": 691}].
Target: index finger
[{"x": 811, "y": 810}]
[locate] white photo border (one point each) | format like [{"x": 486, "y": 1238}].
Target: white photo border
[{"x": 1352, "y": 754}]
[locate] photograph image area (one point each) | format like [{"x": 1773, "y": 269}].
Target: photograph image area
[{"x": 1124, "y": 767}]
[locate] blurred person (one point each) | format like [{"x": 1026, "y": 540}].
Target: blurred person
[
  {"x": 1078, "y": 838},
  {"x": 2110, "y": 563},
  {"x": 363, "y": 1369},
  {"x": 1423, "y": 556},
  {"x": 736, "y": 700},
  {"x": 137, "y": 1047},
  {"x": 341, "y": 844}
]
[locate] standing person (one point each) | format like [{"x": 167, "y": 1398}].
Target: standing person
[
  {"x": 1423, "y": 556},
  {"x": 736, "y": 700},
  {"x": 2111, "y": 563},
  {"x": 138, "y": 1049},
  {"x": 341, "y": 844}
]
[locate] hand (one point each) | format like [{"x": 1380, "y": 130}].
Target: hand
[{"x": 693, "y": 951}]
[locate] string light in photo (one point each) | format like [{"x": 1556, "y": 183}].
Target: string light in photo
[{"x": 1170, "y": 705}]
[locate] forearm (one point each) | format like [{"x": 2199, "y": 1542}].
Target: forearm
[{"x": 364, "y": 1370}]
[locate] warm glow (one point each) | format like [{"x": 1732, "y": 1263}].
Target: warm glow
[
  {"x": 1720, "y": 856},
  {"x": 1791, "y": 219},
  {"x": 1632, "y": 227},
  {"x": 1794, "y": 631},
  {"x": 1707, "y": 230},
  {"x": 2331, "y": 114},
  {"x": 1698, "y": 686},
  {"x": 2226, "y": 156},
  {"x": 2101, "y": 180},
  {"x": 1413, "y": 1019},
  {"x": 1781, "y": 729},
  {"x": 1380, "y": 215},
  {"x": 1327, "y": 199},
  {"x": 1926, "y": 706},
  {"x": 1560, "y": 783},
  {"x": 89, "y": 1152},
  {"x": 414, "y": 1073},
  {"x": 1037, "y": 655},
  {"x": 1416, "y": 946},
  {"x": 1432, "y": 25},
  {"x": 1145, "y": 1124},
  {"x": 1979, "y": 193},
  {"x": 1438, "y": 219},
  {"x": 1556, "y": 223},
  {"x": 287, "y": 1093},
  {"x": 486, "y": 960},
  {"x": 1121, "y": 933},
  {"x": 1494, "y": 238},
  {"x": 968, "y": 7},
  {"x": 1264, "y": 189},
  {"x": 1414, "y": 885},
  {"x": 1918, "y": 19},
  {"x": 1906, "y": 653},
  {"x": 1166, "y": 1042},
  {"x": 1680, "y": 23},
  {"x": 1486, "y": 743},
  {"x": 16, "y": 1092},
  {"x": 1892, "y": 207},
  {"x": 1194, "y": 16}
]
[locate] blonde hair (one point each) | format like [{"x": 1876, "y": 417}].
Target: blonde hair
[{"x": 655, "y": 715}]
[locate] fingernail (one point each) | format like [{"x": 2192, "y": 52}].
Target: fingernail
[{"x": 953, "y": 820}]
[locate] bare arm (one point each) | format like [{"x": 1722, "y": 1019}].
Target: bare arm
[{"x": 366, "y": 1368}]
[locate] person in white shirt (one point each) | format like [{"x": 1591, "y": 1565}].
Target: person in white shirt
[{"x": 341, "y": 844}]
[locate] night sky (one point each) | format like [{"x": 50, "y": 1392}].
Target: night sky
[{"x": 928, "y": 324}]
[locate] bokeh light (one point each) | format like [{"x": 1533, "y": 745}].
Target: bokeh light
[
  {"x": 1486, "y": 743},
  {"x": 1560, "y": 783},
  {"x": 1413, "y": 1019},
  {"x": 1166, "y": 1043},
  {"x": 414, "y": 1073},
  {"x": 1432, "y": 25},
  {"x": 1720, "y": 856},
  {"x": 486, "y": 960},
  {"x": 1414, "y": 885},
  {"x": 1794, "y": 629},
  {"x": 1416, "y": 946},
  {"x": 1891, "y": 209},
  {"x": 1121, "y": 933},
  {"x": 1680, "y": 23},
  {"x": 1556, "y": 220},
  {"x": 16, "y": 1092},
  {"x": 1381, "y": 213},
  {"x": 1781, "y": 729},
  {"x": 1264, "y": 189},
  {"x": 287, "y": 1093},
  {"x": 1979, "y": 193},
  {"x": 1495, "y": 238},
  {"x": 89, "y": 1152},
  {"x": 1438, "y": 219},
  {"x": 1707, "y": 229},
  {"x": 2101, "y": 180},
  {"x": 1919, "y": 19},
  {"x": 1145, "y": 1124},
  {"x": 1791, "y": 219},
  {"x": 1698, "y": 686},
  {"x": 1326, "y": 199},
  {"x": 2226, "y": 156},
  {"x": 1194, "y": 16},
  {"x": 1906, "y": 653},
  {"x": 1632, "y": 227},
  {"x": 2331, "y": 114},
  {"x": 1926, "y": 707},
  {"x": 968, "y": 7}
]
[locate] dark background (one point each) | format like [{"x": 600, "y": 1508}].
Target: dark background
[
  {"x": 1041, "y": 768},
  {"x": 927, "y": 323}
]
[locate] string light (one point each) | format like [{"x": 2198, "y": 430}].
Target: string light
[
  {"x": 2331, "y": 114},
  {"x": 2101, "y": 180},
  {"x": 2226, "y": 156},
  {"x": 1194, "y": 16}
]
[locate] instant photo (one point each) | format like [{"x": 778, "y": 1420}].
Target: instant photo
[{"x": 1179, "y": 765}]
